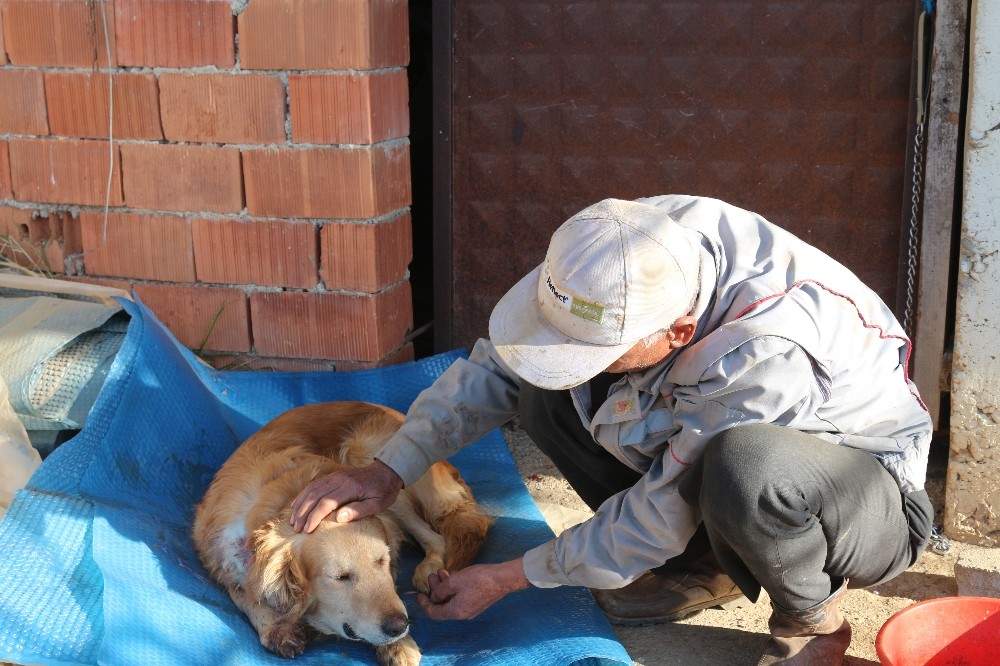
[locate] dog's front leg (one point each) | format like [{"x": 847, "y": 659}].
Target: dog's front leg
[
  {"x": 277, "y": 632},
  {"x": 432, "y": 542},
  {"x": 403, "y": 652}
]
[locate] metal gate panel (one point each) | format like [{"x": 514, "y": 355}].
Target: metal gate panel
[{"x": 796, "y": 110}]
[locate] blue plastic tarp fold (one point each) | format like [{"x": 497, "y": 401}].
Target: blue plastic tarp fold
[{"x": 96, "y": 560}]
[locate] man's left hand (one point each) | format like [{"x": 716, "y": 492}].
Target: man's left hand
[{"x": 468, "y": 592}]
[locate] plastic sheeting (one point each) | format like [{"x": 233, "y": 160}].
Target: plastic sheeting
[
  {"x": 98, "y": 565},
  {"x": 19, "y": 458}
]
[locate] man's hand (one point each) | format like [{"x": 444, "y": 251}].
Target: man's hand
[
  {"x": 466, "y": 593},
  {"x": 353, "y": 493}
]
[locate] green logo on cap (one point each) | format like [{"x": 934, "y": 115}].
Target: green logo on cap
[{"x": 587, "y": 310}]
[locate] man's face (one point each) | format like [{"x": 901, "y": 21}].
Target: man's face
[
  {"x": 644, "y": 355},
  {"x": 647, "y": 353}
]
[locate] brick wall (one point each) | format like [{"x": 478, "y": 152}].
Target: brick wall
[{"x": 259, "y": 168}]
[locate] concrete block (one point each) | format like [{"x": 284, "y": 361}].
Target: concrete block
[{"x": 977, "y": 572}]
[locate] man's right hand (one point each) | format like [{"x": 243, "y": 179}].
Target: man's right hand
[{"x": 352, "y": 494}]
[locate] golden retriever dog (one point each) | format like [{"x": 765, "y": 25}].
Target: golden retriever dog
[{"x": 339, "y": 579}]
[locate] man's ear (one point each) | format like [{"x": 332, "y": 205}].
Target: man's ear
[
  {"x": 275, "y": 576},
  {"x": 682, "y": 331}
]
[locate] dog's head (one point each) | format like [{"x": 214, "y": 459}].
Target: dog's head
[{"x": 339, "y": 579}]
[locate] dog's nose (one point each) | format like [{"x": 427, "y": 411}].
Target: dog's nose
[{"x": 395, "y": 625}]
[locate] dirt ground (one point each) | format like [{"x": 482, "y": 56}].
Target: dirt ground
[{"x": 737, "y": 637}]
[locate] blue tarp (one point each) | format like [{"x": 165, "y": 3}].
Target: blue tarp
[{"x": 97, "y": 564}]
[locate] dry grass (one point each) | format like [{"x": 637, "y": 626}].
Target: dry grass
[{"x": 12, "y": 249}]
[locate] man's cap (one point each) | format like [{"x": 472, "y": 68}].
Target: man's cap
[{"x": 615, "y": 273}]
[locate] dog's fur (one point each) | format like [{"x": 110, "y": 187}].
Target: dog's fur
[{"x": 337, "y": 580}]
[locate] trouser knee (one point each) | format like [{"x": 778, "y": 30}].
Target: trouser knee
[{"x": 727, "y": 483}]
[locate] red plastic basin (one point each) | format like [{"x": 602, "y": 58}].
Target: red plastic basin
[{"x": 950, "y": 631}]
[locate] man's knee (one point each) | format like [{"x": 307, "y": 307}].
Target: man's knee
[{"x": 740, "y": 467}]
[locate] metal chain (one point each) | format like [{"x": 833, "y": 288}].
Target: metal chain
[
  {"x": 913, "y": 241},
  {"x": 916, "y": 195},
  {"x": 938, "y": 544}
]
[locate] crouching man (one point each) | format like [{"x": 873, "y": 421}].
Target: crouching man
[{"x": 732, "y": 403}]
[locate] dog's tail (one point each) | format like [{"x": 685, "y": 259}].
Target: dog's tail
[{"x": 456, "y": 516}]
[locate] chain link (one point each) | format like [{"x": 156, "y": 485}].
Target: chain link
[{"x": 938, "y": 544}]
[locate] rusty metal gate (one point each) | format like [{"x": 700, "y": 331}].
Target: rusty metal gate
[{"x": 796, "y": 110}]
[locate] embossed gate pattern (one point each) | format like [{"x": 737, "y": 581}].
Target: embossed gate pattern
[{"x": 796, "y": 110}]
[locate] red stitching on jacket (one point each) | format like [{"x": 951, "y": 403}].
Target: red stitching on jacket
[
  {"x": 686, "y": 464},
  {"x": 881, "y": 332}
]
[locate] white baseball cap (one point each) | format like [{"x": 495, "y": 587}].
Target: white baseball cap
[{"x": 615, "y": 273}]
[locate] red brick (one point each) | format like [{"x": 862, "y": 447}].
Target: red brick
[
  {"x": 40, "y": 243},
  {"x": 22, "y": 102},
  {"x": 404, "y": 354},
  {"x": 365, "y": 257},
  {"x": 3, "y": 50},
  {"x": 182, "y": 177},
  {"x": 333, "y": 326},
  {"x": 189, "y": 312},
  {"x": 223, "y": 108},
  {"x": 57, "y": 33},
  {"x": 63, "y": 171},
  {"x": 349, "y": 108},
  {"x": 6, "y": 191},
  {"x": 271, "y": 253},
  {"x": 152, "y": 247},
  {"x": 324, "y": 34},
  {"x": 327, "y": 182},
  {"x": 15, "y": 232},
  {"x": 78, "y": 105},
  {"x": 175, "y": 33}
]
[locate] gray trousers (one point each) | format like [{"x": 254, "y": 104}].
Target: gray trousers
[{"x": 782, "y": 510}]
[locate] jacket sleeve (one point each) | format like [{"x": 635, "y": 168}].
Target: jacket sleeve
[
  {"x": 472, "y": 397},
  {"x": 763, "y": 381}
]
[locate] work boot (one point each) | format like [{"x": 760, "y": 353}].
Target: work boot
[
  {"x": 817, "y": 636},
  {"x": 668, "y": 596}
]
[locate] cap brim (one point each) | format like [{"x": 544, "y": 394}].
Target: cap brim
[{"x": 537, "y": 351}]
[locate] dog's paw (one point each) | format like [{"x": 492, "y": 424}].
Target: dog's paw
[
  {"x": 430, "y": 565},
  {"x": 403, "y": 652},
  {"x": 286, "y": 640}
]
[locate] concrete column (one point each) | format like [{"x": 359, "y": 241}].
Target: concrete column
[{"x": 973, "y": 489}]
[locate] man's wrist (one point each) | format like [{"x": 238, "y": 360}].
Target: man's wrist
[
  {"x": 388, "y": 475},
  {"x": 512, "y": 575}
]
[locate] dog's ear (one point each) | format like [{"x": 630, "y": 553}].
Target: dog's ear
[
  {"x": 394, "y": 536},
  {"x": 276, "y": 576}
]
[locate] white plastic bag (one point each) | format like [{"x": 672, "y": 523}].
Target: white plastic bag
[{"x": 18, "y": 459}]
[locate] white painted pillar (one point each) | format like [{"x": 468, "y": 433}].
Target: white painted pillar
[{"x": 972, "y": 504}]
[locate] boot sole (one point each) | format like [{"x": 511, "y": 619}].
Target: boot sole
[{"x": 725, "y": 603}]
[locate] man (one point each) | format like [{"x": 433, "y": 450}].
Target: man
[{"x": 733, "y": 403}]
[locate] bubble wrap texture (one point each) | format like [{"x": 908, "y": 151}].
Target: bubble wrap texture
[{"x": 98, "y": 566}]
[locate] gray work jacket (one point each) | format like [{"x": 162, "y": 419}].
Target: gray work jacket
[{"x": 786, "y": 335}]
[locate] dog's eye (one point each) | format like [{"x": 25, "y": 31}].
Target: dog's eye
[
  {"x": 344, "y": 577},
  {"x": 382, "y": 561}
]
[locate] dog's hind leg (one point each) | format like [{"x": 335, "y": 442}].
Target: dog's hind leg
[{"x": 446, "y": 502}]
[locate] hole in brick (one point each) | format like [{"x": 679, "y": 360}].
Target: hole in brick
[
  {"x": 23, "y": 229},
  {"x": 56, "y": 221},
  {"x": 39, "y": 230}
]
